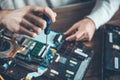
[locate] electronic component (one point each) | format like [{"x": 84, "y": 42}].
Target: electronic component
[
  {"x": 67, "y": 64},
  {"x": 116, "y": 63},
  {"x": 57, "y": 60},
  {"x": 36, "y": 52},
  {"x": 5, "y": 48},
  {"x": 5, "y": 45},
  {"x": 81, "y": 53},
  {"x": 112, "y": 48},
  {"x": 110, "y": 37},
  {"x": 58, "y": 40}
]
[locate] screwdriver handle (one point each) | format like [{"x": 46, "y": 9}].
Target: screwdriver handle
[{"x": 47, "y": 29}]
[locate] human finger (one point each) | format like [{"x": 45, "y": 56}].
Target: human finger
[
  {"x": 47, "y": 11},
  {"x": 28, "y": 25},
  {"x": 71, "y": 30},
  {"x": 26, "y": 32},
  {"x": 82, "y": 37},
  {"x": 74, "y": 36},
  {"x": 36, "y": 20}
]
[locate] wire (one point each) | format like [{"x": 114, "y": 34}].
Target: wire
[
  {"x": 16, "y": 48},
  {"x": 1, "y": 78},
  {"x": 46, "y": 39}
]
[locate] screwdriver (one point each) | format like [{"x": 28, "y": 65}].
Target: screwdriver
[{"x": 47, "y": 29}]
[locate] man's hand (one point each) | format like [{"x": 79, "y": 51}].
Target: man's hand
[
  {"x": 27, "y": 20},
  {"x": 82, "y": 30}
]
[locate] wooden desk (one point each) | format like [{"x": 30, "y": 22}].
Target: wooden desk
[{"x": 116, "y": 19}]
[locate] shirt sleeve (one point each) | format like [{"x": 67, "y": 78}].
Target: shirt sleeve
[
  {"x": 103, "y": 11},
  {"x": 6, "y": 4}
]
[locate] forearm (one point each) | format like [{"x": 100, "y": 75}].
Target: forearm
[{"x": 103, "y": 11}]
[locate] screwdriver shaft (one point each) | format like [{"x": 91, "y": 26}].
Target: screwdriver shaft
[{"x": 46, "y": 39}]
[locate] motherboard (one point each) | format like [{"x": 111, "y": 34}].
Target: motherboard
[
  {"x": 112, "y": 48},
  {"x": 26, "y": 58}
]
